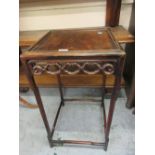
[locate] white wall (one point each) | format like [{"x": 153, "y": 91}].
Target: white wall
[{"x": 50, "y": 15}]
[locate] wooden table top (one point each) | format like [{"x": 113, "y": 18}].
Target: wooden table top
[
  {"x": 77, "y": 42},
  {"x": 122, "y": 35},
  {"x": 28, "y": 38},
  {"x": 89, "y": 41},
  {"x": 94, "y": 39}
]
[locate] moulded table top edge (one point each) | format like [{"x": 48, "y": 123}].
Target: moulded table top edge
[
  {"x": 27, "y": 38},
  {"x": 81, "y": 35}
]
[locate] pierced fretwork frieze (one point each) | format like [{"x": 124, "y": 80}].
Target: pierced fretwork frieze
[{"x": 73, "y": 68}]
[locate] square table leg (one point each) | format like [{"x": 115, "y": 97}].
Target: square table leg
[{"x": 37, "y": 95}]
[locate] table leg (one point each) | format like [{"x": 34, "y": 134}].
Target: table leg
[
  {"x": 37, "y": 95},
  {"x": 116, "y": 89},
  {"x": 60, "y": 88},
  {"x": 110, "y": 115},
  {"x": 102, "y": 103}
]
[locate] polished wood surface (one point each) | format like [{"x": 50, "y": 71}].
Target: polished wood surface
[
  {"x": 28, "y": 38},
  {"x": 72, "y": 43},
  {"x": 122, "y": 35},
  {"x": 93, "y": 39},
  {"x": 113, "y": 8},
  {"x": 112, "y": 18},
  {"x": 72, "y": 40},
  {"x": 77, "y": 55}
]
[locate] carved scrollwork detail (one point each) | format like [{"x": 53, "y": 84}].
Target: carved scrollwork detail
[
  {"x": 38, "y": 69},
  {"x": 73, "y": 68},
  {"x": 53, "y": 69},
  {"x": 91, "y": 68},
  {"x": 108, "y": 68}
]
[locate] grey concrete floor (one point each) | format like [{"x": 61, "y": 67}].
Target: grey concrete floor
[{"x": 78, "y": 120}]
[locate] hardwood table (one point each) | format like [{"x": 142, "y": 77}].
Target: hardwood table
[
  {"x": 74, "y": 53},
  {"x": 28, "y": 38}
]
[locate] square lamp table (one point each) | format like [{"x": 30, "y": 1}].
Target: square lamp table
[{"x": 72, "y": 52}]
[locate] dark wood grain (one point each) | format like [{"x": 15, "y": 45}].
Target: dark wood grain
[
  {"x": 79, "y": 46},
  {"x": 113, "y": 8},
  {"x": 37, "y": 95},
  {"x": 73, "y": 43},
  {"x": 122, "y": 35},
  {"x": 129, "y": 70},
  {"x": 28, "y": 38},
  {"x": 91, "y": 52},
  {"x": 76, "y": 39}
]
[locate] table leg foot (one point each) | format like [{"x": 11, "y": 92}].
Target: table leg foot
[
  {"x": 50, "y": 143},
  {"x": 106, "y": 145}
]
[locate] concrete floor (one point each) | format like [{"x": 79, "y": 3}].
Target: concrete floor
[{"x": 77, "y": 121}]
